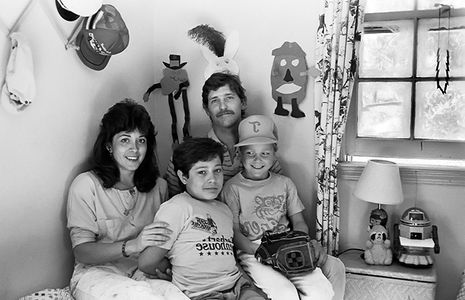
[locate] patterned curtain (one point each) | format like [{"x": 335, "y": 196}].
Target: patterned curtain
[{"x": 336, "y": 61}]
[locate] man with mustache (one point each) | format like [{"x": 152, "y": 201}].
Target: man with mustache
[{"x": 224, "y": 101}]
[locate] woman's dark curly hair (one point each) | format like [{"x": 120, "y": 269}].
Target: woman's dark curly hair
[{"x": 126, "y": 115}]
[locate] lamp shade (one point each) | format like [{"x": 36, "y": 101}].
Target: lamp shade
[{"x": 380, "y": 183}]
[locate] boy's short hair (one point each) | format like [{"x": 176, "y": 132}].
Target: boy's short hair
[
  {"x": 193, "y": 150},
  {"x": 217, "y": 80}
]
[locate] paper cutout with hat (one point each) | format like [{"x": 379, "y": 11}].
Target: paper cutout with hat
[
  {"x": 289, "y": 77},
  {"x": 216, "y": 49},
  {"x": 102, "y": 35},
  {"x": 174, "y": 84},
  {"x": 71, "y": 10},
  {"x": 19, "y": 88}
]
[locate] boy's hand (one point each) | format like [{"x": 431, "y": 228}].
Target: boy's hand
[
  {"x": 167, "y": 275},
  {"x": 320, "y": 255}
]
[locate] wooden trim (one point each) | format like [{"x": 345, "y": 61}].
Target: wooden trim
[{"x": 410, "y": 174}]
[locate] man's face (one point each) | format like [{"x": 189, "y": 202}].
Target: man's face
[
  {"x": 224, "y": 107},
  {"x": 205, "y": 179}
]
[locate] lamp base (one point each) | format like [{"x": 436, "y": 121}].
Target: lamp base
[{"x": 378, "y": 216}]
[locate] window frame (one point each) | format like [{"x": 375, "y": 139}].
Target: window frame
[{"x": 407, "y": 147}]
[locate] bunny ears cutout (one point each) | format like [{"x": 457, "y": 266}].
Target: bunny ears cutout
[{"x": 218, "y": 51}]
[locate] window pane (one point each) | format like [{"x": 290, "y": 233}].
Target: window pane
[
  {"x": 384, "y": 109},
  {"x": 430, "y": 4},
  {"x": 386, "y": 49},
  {"x": 439, "y": 116},
  {"x": 454, "y": 40},
  {"x": 389, "y": 5}
]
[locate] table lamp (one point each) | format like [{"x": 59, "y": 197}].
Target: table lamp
[{"x": 380, "y": 184}]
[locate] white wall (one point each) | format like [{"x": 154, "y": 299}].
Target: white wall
[{"x": 44, "y": 147}]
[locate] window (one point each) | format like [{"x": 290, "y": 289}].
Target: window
[{"x": 397, "y": 109}]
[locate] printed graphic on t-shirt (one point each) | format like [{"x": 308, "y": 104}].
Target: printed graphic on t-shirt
[
  {"x": 207, "y": 225},
  {"x": 269, "y": 210},
  {"x": 215, "y": 246}
]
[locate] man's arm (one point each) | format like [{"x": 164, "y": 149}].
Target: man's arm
[
  {"x": 151, "y": 259},
  {"x": 174, "y": 185}
]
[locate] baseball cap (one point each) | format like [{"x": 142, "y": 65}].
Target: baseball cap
[
  {"x": 71, "y": 10},
  {"x": 102, "y": 35},
  {"x": 257, "y": 129}
]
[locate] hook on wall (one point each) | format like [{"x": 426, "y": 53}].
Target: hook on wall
[{"x": 69, "y": 41}]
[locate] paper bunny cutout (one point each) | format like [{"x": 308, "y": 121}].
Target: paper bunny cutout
[{"x": 217, "y": 51}]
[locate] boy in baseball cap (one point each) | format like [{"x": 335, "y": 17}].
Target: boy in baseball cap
[
  {"x": 102, "y": 35},
  {"x": 261, "y": 200}
]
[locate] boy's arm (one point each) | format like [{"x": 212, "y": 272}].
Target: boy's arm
[
  {"x": 152, "y": 258},
  {"x": 298, "y": 222},
  {"x": 242, "y": 242}
]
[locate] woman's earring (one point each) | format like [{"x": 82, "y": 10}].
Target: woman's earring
[{"x": 109, "y": 150}]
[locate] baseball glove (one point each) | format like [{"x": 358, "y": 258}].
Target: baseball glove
[{"x": 289, "y": 252}]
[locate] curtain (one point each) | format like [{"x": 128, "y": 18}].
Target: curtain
[{"x": 336, "y": 61}]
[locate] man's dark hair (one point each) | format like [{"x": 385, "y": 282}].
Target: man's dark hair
[
  {"x": 193, "y": 150},
  {"x": 126, "y": 115},
  {"x": 217, "y": 80}
]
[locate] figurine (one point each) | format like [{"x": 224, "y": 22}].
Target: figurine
[{"x": 378, "y": 250}]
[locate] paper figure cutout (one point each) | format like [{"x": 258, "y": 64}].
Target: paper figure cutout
[
  {"x": 218, "y": 51},
  {"x": 289, "y": 77},
  {"x": 174, "y": 84}
]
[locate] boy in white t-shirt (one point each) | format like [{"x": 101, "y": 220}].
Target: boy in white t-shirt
[
  {"x": 201, "y": 245},
  {"x": 261, "y": 200}
]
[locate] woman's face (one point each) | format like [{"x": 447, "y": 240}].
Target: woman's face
[{"x": 129, "y": 149}]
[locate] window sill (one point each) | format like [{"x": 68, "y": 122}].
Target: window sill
[{"x": 411, "y": 174}]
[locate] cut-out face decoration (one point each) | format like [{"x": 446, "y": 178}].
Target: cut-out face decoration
[{"x": 289, "y": 78}]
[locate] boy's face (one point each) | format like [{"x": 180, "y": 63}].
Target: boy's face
[
  {"x": 257, "y": 160},
  {"x": 205, "y": 179},
  {"x": 224, "y": 107}
]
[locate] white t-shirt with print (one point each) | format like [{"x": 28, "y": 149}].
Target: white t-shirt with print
[{"x": 201, "y": 247}]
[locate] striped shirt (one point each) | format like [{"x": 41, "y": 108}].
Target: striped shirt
[{"x": 231, "y": 166}]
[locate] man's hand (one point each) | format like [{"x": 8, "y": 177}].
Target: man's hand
[
  {"x": 167, "y": 275},
  {"x": 320, "y": 255}
]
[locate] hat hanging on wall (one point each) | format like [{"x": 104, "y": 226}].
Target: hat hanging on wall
[
  {"x": 102, "y": 35},
  {"x": 71, "y": 10},
  {"x": 19, "y": 88}
]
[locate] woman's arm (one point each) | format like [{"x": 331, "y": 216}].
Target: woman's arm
[
  {"x": 153, "y": 234},
  {"x": 151, "y": 259}
]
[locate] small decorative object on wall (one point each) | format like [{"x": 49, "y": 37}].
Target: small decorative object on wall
[
  {"x": 174, "y": 84},
  {"x": 102, "y": 35},
  {"x": 216, "y": 49},
  {"x": 71, "y": 10},
  {"x": 414, "y": 237},
  {"x": 378, "y": 247},
  {"x": 19, "y": 88},
  {"x": 289, "y": 78},
  {"x": 443, "y": 9}
]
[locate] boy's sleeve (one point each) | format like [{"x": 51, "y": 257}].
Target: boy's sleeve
[
  {"x": 294, "y": 204},
  {"x": 174, "y": 185},
  {"x": 231, "y": 198},
  {"x": 176, "y": 216}
]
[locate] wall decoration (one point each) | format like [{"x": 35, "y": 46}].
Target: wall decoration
[
  {"x": 289, "y": 78},
  {"x": 216, "y": 49},
  {"x": 174, "y": 84},
  {"x": 19, "y": 88}
]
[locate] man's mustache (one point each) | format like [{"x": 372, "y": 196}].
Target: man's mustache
[{"x": 224, "y": 112}]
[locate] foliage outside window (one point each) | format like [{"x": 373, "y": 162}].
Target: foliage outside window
[{"x": 397, "y": 108}]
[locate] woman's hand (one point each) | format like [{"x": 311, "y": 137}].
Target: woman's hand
[{"x": 154, "y": 234}]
